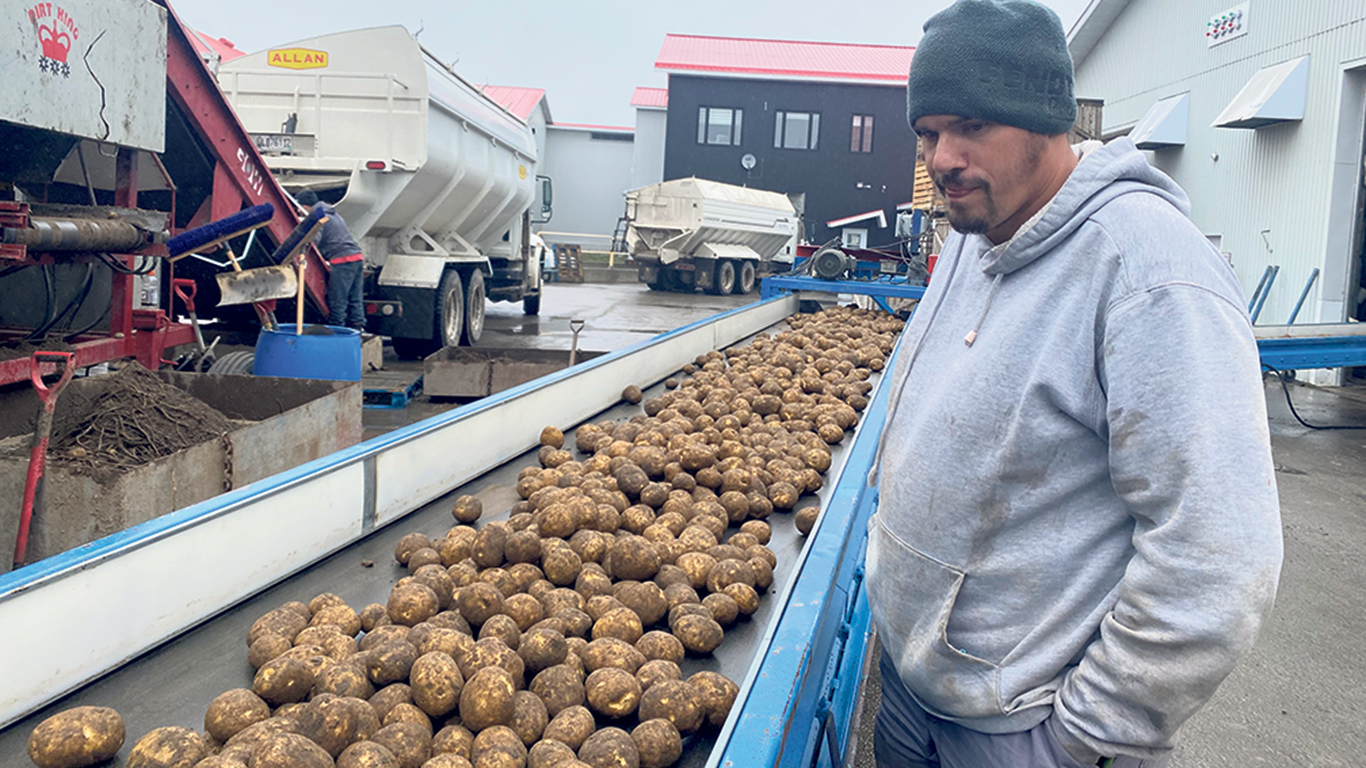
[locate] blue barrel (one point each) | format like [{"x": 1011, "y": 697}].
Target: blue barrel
[{"x": 314, "y": 355}]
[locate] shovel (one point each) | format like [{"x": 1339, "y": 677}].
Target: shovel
[
  {"x": 37, "y": 458},
  {"x": 277, "y": 282}
]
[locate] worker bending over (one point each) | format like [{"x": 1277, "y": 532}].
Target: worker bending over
[{"x": 347, "y": 266}]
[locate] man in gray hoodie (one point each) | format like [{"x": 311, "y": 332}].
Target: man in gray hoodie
[{"x": 1078, "y": 531}]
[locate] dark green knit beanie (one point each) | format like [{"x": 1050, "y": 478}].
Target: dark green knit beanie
[{"x": 1000, "y": 60}]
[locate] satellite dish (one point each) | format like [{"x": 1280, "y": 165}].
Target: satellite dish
[{"x": 748, "y": 162}]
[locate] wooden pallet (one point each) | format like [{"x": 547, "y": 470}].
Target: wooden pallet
[{"x": 569, "y": 263}]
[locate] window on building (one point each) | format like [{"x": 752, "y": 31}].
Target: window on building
[
  {"x": 861, "y": 139},
  {"x": 719, "y": 125},
  {"x": 796, "y": 130}
]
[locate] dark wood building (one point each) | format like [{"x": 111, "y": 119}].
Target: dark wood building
[{"x": 823, "y": 122}]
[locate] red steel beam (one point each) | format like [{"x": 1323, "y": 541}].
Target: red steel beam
[{"x": 196, "y": 92}]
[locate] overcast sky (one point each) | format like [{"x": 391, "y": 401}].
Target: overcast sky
[{"x": 589, "y": 55}]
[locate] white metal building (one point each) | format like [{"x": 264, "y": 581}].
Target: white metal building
[{"x": 1258, "y": 109}]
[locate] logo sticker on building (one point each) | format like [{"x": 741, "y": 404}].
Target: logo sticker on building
[
  {"x": 297, "y": 58},
  {"x": 56, "y": 32}
]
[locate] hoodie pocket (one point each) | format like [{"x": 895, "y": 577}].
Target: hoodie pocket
[{"x": 911, "y": 596}]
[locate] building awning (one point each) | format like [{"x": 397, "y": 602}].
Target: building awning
[
  {"x": 879, "y": 215},
  {"x": 1164, "y": 124},
  {"x": 1273, "y": 95}
]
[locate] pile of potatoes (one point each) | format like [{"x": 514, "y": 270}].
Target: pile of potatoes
[{"x": 554, "y": 638}]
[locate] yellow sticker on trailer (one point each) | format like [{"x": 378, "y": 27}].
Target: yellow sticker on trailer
[
  {"x": 297, "y": 58},
  {"x": 521, "y": 171}
]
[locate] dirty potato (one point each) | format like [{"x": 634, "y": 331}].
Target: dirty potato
[
  {"x": 610, "y": 748},
  {"x": 718, "y": 695},
  {"x": 436, "y": 683},
  {"x": 78, "y": 737},
  {"x": 658, "y": 743},
  {"x": 612, "y": 692},
  {"x": 408, "y": 741},
  {"x": 487, "y": 699},
  {"x": 171, "y": 747},
  {"x": 529, "y": 717},
  {"x": 366, "y": 754},
  {"x": 676, "y": 701},
  {"x": 467, "y": 509},
  {"x": 232, "y": 711},
  {"x": 559, "y": 687},
  {"x": 287, "y": 750}
]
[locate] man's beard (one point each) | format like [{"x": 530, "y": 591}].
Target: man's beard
[{"x": 960, "y": 220}]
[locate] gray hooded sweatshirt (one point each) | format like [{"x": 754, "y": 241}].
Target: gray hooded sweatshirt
[{"x": 1078, "y": 513}]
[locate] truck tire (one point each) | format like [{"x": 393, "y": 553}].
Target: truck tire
[
  {"x": 723, "y": 280},
  {"x": 747, "y": 273},
  {"x": 450, "y": 310},
  {"x": 238, "y": 363},
  {"x": 531, "y": 304},
  {"x": 474, "y": 308}
]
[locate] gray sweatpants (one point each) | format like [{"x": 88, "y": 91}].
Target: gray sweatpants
[{"x": 906, "y": 736}]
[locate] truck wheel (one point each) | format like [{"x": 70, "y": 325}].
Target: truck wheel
[
  {"x": 746, "y": 285},
  {"x": 450, "y": 309},
  {"x": 531, "y": 305},
  {"x": 723, "y": 281},
  {"x": 474, "y": 308}
]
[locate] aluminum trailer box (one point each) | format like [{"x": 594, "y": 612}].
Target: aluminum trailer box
[
  {"x": 465, "y": 372},
  {"x": 695, "y": 233},
  {"x": 432, "y": 177}
]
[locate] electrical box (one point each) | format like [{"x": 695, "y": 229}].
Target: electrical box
[
  {"x": 89, "y": 68},
  {"x": 1226, "y": 26}
]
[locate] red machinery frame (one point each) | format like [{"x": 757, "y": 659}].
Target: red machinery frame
[{"x": 240, "y": 178}]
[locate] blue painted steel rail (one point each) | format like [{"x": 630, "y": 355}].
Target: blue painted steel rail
[
  {"x": 878, "y": 289},
  {"x": 808, "y": 673},
  {"x": 1313, "y": 352}
]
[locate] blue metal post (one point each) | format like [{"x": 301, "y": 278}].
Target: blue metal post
[
  {"x": 1303, "y": 294},
  {"x": 1255, "y": 294},
  {"x": 1271, "y": 278}
]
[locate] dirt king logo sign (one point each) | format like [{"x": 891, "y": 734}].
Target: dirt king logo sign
[
  {"x": 297, "y": 58},
  {"x": 56, "y": 32}
]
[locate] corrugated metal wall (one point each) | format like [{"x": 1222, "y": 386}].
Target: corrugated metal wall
[{"x": 1268, "y": 194}]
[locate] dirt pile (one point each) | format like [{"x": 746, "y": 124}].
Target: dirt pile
[{"x": 133, "y": 419}]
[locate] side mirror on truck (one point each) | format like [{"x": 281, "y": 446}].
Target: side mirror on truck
[{"x": 546, "y": 193}]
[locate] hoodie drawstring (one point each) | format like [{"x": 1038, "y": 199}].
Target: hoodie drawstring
[{"x": 991, "y": 294}]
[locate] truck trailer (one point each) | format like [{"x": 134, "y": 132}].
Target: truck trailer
[
  {"x": 436, "y": 181},
  {"x": 695, "y": 233}
]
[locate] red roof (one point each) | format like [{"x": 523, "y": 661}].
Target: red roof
[
  {"x": 786, "y": 59},
  {"x": 219, "y": 45},
  {"x": 519, "y": 101},
  {"x": 650, "y": 98},
  {"x": 591, "y": 127}
]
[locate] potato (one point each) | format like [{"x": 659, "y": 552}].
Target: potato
[
  {"x": 655, "y": 671},
  {"x": 248, "y": 739},
  {"x": 745, "y": 597},
  {"x": 172, "y": 747},
  {"x": 612, "y": 692},
  {"x": 611, "y": 652},
  {"x": 232, "y": 711},
  {"x": 478, "y": 601},
  {"x": 522, "y": 547},
  {"x": 559, "y": 687},
  {"x": 758, "y": 529},
  {"x": 408, "y": 545},
  {"x": 541, "y": 649},
  {"x": 409, "y": 713},
  {"x": 453, "y": 739},
  {"x": 646, "y": 599},
  {"x": 280, "y": 622},
  {"x": 381, "y": 635},
  {"x": 427, "y": 556},
  {"x": 487, "y": 699},
  {"x": 718, "y": 695},
  {"x": 700, "y": 635},
  {"x": 727, "y": 572},
  {"x": 435, "y": 578},
  {"x": 79, "y": 737},
  {"x": 366, "y": 754},
  {"x": 408, "y": 741},
  {"x": 451, "y": 642},
  {"x": 621, "y": 623},
  {"x": 592, "y": 583},
  {"x": 283, "y": 680},
  {"x": 561, "y": 565},
  {"x": 529, "y": 717},
  {"x": 574, "y": 622},
  {"x": 467, "y": 509},
  {"x": 389, "y": 663},
  {"x": 500, "y": 579},
  {"x": 632, "y": 394},
  {"x": 610, "y": 748},
  {"x": 806, "y": 519},
  {"x": 660, "y": 645},
  {"x": 436, "y": 682},
  {"x": 336, "y": 723},
  {"x": 783, "y": 495},
  {"x": 676, "y": 701},
  {"x": 681, "y": 594},
  {"x": 487, "y": 550},
  {"x": 552, "y": 437},
  {"x": 412, "y": 603},
  {"x": 291, "y": 711},
  {"x": 658, "y": 743},
  {"x": 549, "y": 753},
  {"x": 698, "y": 566},
  {"x": 498, "y": 747},
  {"x": 389, "y": 697},
  {"x": 723, "y": 609},
  {"x": 502, "y": 628},
  {"x": 266, "y": 647},
  {"x": 634, "y": 557},
  {"x": 221, "y": 761},
  {"x": 457, "y": 545},
  {"x": 287, "y": 750},
  {"x": 562, "y": 598},
  {"x": 490, "y": 652},
  {"x": 763, "y": 573}
]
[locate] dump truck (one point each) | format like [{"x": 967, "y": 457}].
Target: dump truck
[
  {"x": 436, "y": 181},
  {"x": 695, "y": 233}
]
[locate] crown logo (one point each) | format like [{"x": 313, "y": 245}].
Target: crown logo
[{"x": 56, "y": 43}]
